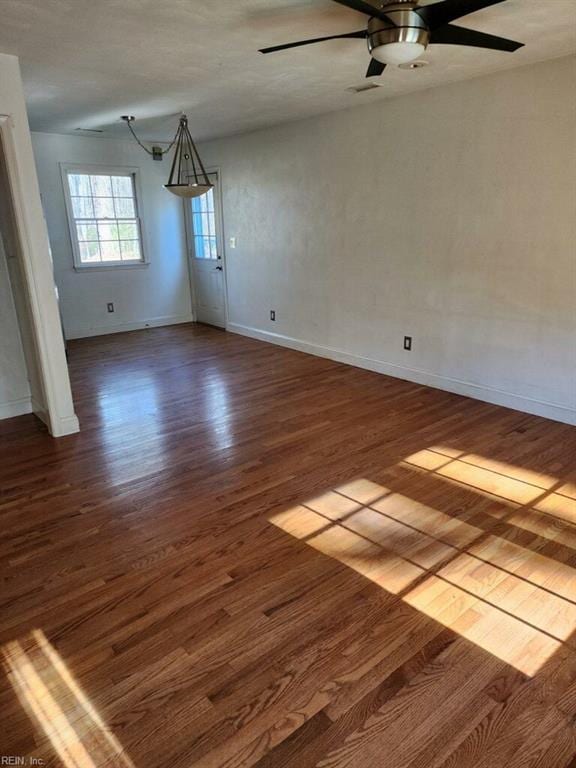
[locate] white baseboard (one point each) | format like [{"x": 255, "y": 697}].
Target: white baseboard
[
  {"x": 13, "y": 408},
  {"x": 67, "y": 426},
  {"x": 104, "y": 330},
  {"x": 58, "y": 427},
  {"x": 553, "y": 411}
]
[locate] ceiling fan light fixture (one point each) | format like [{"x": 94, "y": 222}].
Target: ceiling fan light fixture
[
  {"x": 399, "y": 31},
  {"x": 398, "y": 53},
  {"x": 399, "y": 44}
]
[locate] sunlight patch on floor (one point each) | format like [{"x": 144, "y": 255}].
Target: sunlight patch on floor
[
  {"x": 56, "y": 703},
  {"x": 499, "y": 479},
  {"x": 513, "y": 602}
]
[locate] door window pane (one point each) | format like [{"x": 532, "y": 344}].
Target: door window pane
[{"x": 204, "y": 226}]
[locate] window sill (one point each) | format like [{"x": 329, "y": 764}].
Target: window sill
[{"x": 109, "y": 267}]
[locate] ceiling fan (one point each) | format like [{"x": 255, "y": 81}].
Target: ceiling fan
[{"x": 399, "y": 31}]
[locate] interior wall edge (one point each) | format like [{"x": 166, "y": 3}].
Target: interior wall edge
[
  {"x": 553, "y": 411},
  {"x": 24, "y": 213}
]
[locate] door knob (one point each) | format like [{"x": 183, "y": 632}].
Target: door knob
[{"x": 219, "y": 269}]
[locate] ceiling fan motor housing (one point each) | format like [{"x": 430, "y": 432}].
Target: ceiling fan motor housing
[{"x": 409, "y": 26}]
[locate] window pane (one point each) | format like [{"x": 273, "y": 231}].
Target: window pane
[
  {"x": 205, "y": 225},
  {"x": 103, "y": 208},
  {"x": 104, "y": 217},
  {"x": 89, "y": 252},
  {"x": 108, "y": 230},
  {"x": 110, "y": 251},
  {"x": 128, "y": 230},
  {"x": 130, "y": 250},
  {"x": 213, "y": 250},
  {"x": 82, "y": 208},
  {"x": 124, "y": 208},
  {"x": 199, "y": 247},
  {"x": 197, "y": 223},
  {"x": 122, "y": 186},
  {"x": 87, "y": 232},
  {"x": 101, "y": 186},
  {"x": 209, "y": 198},
  {"x": 212, "y": 222},
  {"x": 79, "y": 184}
]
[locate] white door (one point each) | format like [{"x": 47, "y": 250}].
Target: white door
[{"x": 205, "y": 250}]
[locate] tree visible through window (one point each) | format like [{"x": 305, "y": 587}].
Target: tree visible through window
[{"x": 104, "y": 221}]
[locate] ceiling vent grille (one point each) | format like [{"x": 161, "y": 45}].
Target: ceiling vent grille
[{"x": 363, "y": 88}]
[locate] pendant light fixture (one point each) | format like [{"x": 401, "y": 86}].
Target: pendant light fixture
[{"x": 188, "y": 177}]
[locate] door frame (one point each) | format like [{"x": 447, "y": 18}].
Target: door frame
[
  {"x": 219, "y": 208},
  {"x": 47, "y": 353}
]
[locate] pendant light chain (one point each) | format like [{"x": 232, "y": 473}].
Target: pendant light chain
[
  {"x": 144, "y": 147},
  {"x": 188, "y": 176}
]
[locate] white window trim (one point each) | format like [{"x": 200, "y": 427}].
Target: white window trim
[{"x": 88, "y": 168}]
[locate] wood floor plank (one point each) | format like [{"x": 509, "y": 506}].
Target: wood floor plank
[{"x": 254, "y": 557}]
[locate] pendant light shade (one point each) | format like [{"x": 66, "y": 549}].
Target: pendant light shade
[{"x": 188, "y": 177}]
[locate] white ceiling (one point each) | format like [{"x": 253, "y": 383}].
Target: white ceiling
[{"x": 86, "y": 62}]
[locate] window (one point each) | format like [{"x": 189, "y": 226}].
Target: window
[
  {"x": 204, "y": 226},
  {"x": 103, "y": 216}
]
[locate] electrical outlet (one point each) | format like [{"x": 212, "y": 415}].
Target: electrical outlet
[
  {"x": 110, "y": 306},
  {"x": 408, "y": 343},
  {"x": 273, "y": 315}
]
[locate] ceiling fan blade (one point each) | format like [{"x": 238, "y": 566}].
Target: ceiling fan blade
[
  {"x": 347, "y": 36},
  {"x": 453, "y": 35},
  {"x": 376, "y": 68},
  {"x": 439, "y": 14},
  {"x": 367, "y": 9}
]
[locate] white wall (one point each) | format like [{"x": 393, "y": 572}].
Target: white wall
[
  {"x": 448, "y": 215},
  {"x": 25, "y": 241},
  {"x": 156, "y": 294},
  {"x": 14, "y": 387}
]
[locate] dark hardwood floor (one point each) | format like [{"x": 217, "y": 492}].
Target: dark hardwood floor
[{"x": 254, "y": 557}]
